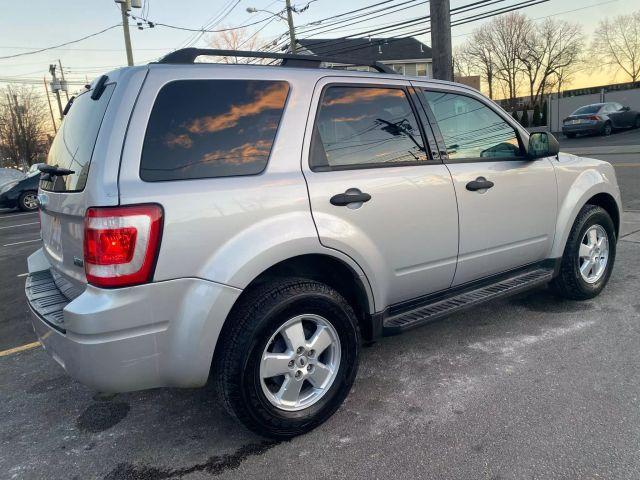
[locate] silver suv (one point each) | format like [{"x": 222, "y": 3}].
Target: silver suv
[{"x": 253, "y": 224}]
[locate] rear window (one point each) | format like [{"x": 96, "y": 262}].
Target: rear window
[
  {"x": 212, "y": 128},
  {"x": 73, "y": 146},
  {"x": 587, "y": 110}
]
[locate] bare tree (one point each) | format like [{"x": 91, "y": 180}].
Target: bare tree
[
  {"x": 507, "y": 39},
  {"x": 616, "y": 43},
  {"x": 550, "y": 47},
  {"x": 24, "y": 131},
  {"x": 478, "y": 56},
  {"x": 236, "y": 39}
]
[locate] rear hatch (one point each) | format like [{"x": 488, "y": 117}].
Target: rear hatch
[{"x": 64, "y": 199}]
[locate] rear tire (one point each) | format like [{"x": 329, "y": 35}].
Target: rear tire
[
  {"x": 570, "y": 135},
  {"x": 28, "y": 201},
  {"x": 578, "y": 280},
  {"x": 636, "y": 124},
  {"x": 256, "y": 328}
]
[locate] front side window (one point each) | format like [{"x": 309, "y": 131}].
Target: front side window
[
  {"x": 212, "y": 128},
  {"x": 365, "y": 126},
  {"x": 471, "y": 129}
]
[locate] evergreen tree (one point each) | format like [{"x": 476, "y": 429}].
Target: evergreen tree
[
  {"x": 537, "y": 119},
  {"x": 524, "y": 120},
  {"x": 544, "y": 120}
]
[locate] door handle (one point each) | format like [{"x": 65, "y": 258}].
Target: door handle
[
  {"x": 479, "y": 183},
  {"x": 353, "y": 195}
]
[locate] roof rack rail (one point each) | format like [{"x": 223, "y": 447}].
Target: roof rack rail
[{"x": 188, "y": 55}]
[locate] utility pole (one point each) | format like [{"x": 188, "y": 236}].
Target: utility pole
[
  {"x": 55, "y": 87},
  {"x": 64, "y": 82},
  {"x": 53, "y": 119},
  {"x": 124, "y": 7},
  {"x": 292, "y": 33},
  {"x": 441, "y": 39}
]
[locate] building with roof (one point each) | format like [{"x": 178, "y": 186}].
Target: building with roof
[{"x": 407, "y": 56}]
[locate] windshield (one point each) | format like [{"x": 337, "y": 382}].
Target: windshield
[
  {"x": 587, "y": 110},
  {"x": 73, "y": 145}
]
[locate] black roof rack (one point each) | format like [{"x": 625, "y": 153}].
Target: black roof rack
[{"x": 188, "y": 55}]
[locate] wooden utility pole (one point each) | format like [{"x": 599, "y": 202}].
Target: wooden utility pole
[
  {"x": 292, "y": 34},
  {"x": 441, "y": 39},
  {"x": 53, "y": 119},
  {"x": 64, "y": 83},
  {"x": 125, "y": 29}
]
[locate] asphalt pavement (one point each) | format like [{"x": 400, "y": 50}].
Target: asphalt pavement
[{"x": 526, "y": 387}]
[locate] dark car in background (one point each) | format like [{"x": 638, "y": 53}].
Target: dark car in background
[
  {"x": 22, "y": 194},
  {"x": 600, "y": 118}
]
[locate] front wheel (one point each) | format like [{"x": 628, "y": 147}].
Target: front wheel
[
  {"x": 607, "y": 129},
  {"x": 287, "y": 357},
  {"x": 588, "y": 255},
  {"x": 28, "y": 201}
]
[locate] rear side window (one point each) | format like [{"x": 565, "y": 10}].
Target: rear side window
[
  {"x": 471, "y": 129},
  {"x": 365, "y": 127},
  {"x": 212, "y": 128},
  {"x": 73, "y": 146}
]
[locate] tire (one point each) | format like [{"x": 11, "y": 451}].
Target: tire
[
  {"x": 607, "y": 128},
  {"x": 636, "y": 124},
  {"x": 27, "y": 202},
  {"x": 570, "y": 135},
  {"x": 570, "y": 282},
  {"x": 247, "y": 336}
]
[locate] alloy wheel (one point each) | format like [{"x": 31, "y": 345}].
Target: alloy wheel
[
  {"x": 30, "y": 201},
  {"x": 300, "y": 362},
  {"x": 594, "y": 254}
]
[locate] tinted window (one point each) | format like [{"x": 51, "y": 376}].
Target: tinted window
[
  {"x": 365, "y": 126},
  {"x": 74, "y": 142},
  {"x": 589, "y": 109},
  {"x": 471, "y": 129},
  {"x": 212, "y": 128}
]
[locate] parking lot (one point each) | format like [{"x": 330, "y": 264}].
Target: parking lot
[{"x": 526, "y": 387}]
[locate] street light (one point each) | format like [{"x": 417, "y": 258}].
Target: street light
[{"x": 289, "y": 19}]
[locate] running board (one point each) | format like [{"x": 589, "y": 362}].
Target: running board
[{"x": 455, "y": 302}]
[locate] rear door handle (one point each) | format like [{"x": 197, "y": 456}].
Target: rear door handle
[
  {"x": 353, "y": 195},
  {"x": 479, "y": 183}
]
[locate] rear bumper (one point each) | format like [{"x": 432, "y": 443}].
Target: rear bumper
[
  {"x": 153, "y": 335},
  {"x": 7, "y": 201},
  {"x": 582, "y": 128}
]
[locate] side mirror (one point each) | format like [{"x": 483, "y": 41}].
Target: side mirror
[
  {"x": 541, "y": 145},
  {"x": 626, "y": 109}
]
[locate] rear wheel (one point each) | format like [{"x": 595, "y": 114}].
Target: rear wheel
[
  {"x": 288, "y": 357},
  {"x": 570, "y": 135},
  {"x": 588, "y": 256},
  {"x": 28, "y": 201},
  {"x": 607, "y": 128},
  {"x": 636, "y": 124}
]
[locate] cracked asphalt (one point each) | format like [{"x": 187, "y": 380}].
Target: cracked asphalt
[{"x": 523, "y": 388}]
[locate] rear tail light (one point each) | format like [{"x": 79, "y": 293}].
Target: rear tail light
[
  {"x": 121, "y": 244},
  {"x": 593, "y": 117}
]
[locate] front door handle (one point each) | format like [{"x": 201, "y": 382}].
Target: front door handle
[
  {"x": 353, "y": 195},
  {"x": 479, "y": 183}
]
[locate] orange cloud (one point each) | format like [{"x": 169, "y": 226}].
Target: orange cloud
[
  {"x": 349, "y": 119},
  {"x": 183, "y": 141},
  {"x": 352, "y": 95},
  {"x": 268, "y": 99},
  {"x": 245, "y": 153}
]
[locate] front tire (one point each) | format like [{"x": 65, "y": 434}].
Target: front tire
[
  {"x": 288, "y": 357},
  {"x": 28, "y": 201},
  {"x": 607, "y": 128},
  {"x": 588, "y": 256}
]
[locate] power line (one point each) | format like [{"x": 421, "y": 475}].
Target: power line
[{"x": 62, "y": 44}]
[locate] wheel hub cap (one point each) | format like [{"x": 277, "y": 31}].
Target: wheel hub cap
[
  {"x": 594, "y": 254},
  {"x": 300, "y": 362}
]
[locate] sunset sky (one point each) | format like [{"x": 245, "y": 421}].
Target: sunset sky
[{"x": 34, "y": 24}]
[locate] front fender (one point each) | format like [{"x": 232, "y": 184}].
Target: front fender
[{"x": 580, "y": 179}]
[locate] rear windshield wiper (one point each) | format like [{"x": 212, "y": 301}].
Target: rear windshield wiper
[{"x": 51, "y": 171}]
